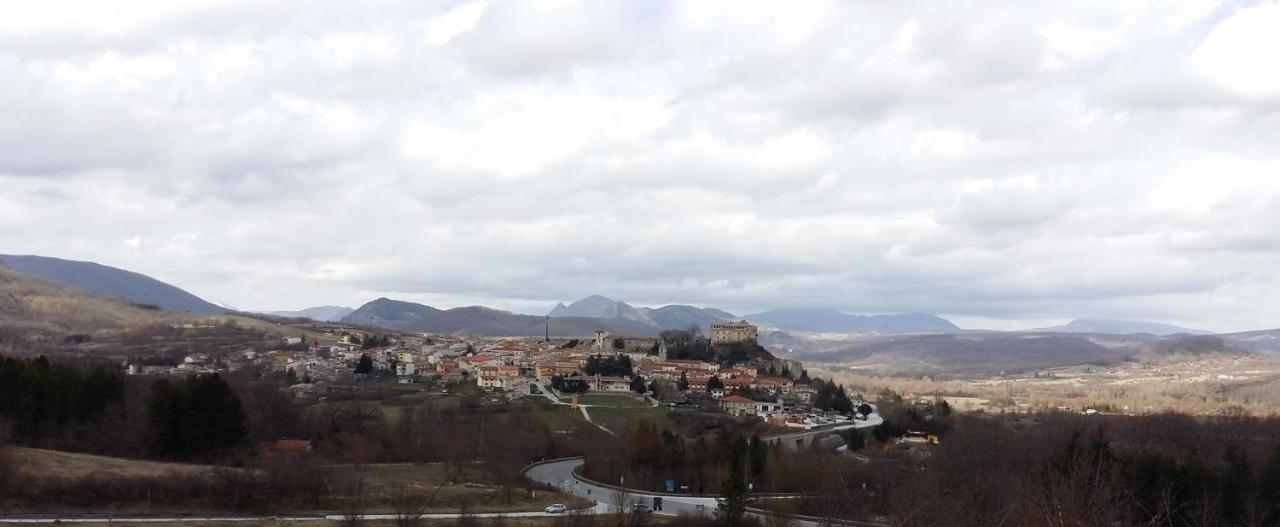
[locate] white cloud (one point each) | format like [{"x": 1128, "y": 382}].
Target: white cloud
[
  {"x": 1240, "y": 51},
  {"x": 1010, "y": 165}
]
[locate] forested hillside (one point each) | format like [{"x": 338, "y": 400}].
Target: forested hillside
[{"x": 36, "y": 315}]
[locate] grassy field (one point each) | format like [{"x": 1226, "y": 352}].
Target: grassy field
[
  {"x": 614, "y": 417},
  {"x": 451, "y": 488},
  {"x": 612, "y": 400},
  {"x": 70, "y": 465},
  {"x": 561, "y": 418},
  {"x": 477, "y": 522},
  {"x": 283, "y": 330},
  {"x": 439, "y": 487}
]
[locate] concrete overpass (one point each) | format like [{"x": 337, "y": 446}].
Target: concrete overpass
[{"x": 803, "y": 439}]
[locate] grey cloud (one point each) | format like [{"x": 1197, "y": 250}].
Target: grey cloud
[{"x": 874, "y": 157}]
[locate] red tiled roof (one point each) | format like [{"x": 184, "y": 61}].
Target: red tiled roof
[{"x": 735, "y": 399}]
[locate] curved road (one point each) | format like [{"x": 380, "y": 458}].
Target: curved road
[{"x": 559, "y": 473}]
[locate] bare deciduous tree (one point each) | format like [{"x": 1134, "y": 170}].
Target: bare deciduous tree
[
  {"x": 355, "y": 495},
  {"x": 408, "y": 507}
]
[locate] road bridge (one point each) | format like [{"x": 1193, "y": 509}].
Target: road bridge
[{"x": 803, "y": 439}]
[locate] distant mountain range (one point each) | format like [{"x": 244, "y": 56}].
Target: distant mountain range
[
  {"x": 581, "y": 318},
  {"x": 111, "y": 282},
  {"x": 319, "y": 313},
  {"x": 477, "y": 320},
  {"x": 831, "y": 321},
  {"x": 596, "y": 306},
  {"x": 665, "y": 317},
  {"x": 1122, "y": 327},
  {"x": 983, "y": 354}
]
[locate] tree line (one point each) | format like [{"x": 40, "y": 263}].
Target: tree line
[
  {"x": 98, "y": 409},
  {"x": 616, "y": 365},
  {"x": 43, "y": 401}
]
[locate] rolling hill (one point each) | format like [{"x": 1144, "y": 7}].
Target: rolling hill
[
  {"x": 831, "y": 321},
  {"x": 477, "y": 320},
  {"x": 1122, "y": 327},
  {"x": 1263, "y": 340},
  {"x": 319, "y": 313},
  {"x": 111, "y": 282},
  {"x": 992, "y": 353},
  {"x": 36, "y": 314},
  {"x": 681, "y": 317}
]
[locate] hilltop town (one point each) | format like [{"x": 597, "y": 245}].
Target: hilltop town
[{"x": 344, "y": 359}]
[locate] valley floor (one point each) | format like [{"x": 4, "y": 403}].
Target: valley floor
[{"x": 1203, "y": 385}]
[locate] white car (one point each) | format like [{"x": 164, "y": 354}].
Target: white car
[{"x": 556, "y": 508}]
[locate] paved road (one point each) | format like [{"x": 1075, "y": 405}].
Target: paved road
[
  {"x": 560, "y": 475},
  {"x": 233, "y": 519}
]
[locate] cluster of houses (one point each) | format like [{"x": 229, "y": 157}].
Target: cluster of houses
[{"x": 517, "y": 365}]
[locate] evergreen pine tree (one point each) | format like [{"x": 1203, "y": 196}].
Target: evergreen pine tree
[
  {"x": 714, "y": 383},
  {"x": 758, "y": 454},
  {"x": 637, "y": 384},
  {"x": 733, "y": 493},
  {"x": 1269, "y": 487},
  {"x": 365, "y": 365}
]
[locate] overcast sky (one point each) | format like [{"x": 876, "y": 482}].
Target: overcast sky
[{"x": 1011, "y": 166}]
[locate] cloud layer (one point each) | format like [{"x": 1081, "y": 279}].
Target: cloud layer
[{"x": 1021, "y": 163}]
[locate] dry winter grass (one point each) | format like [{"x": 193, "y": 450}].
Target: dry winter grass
[
  {"x": 50, "y": 463},
  {"x": 1209, "y": 385}
]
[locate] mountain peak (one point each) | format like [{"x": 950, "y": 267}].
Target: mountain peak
[
  {"x": 480, "y": 320},
  {"x": 666, "y": 317},
  {"x": 598, "y": 306}
]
